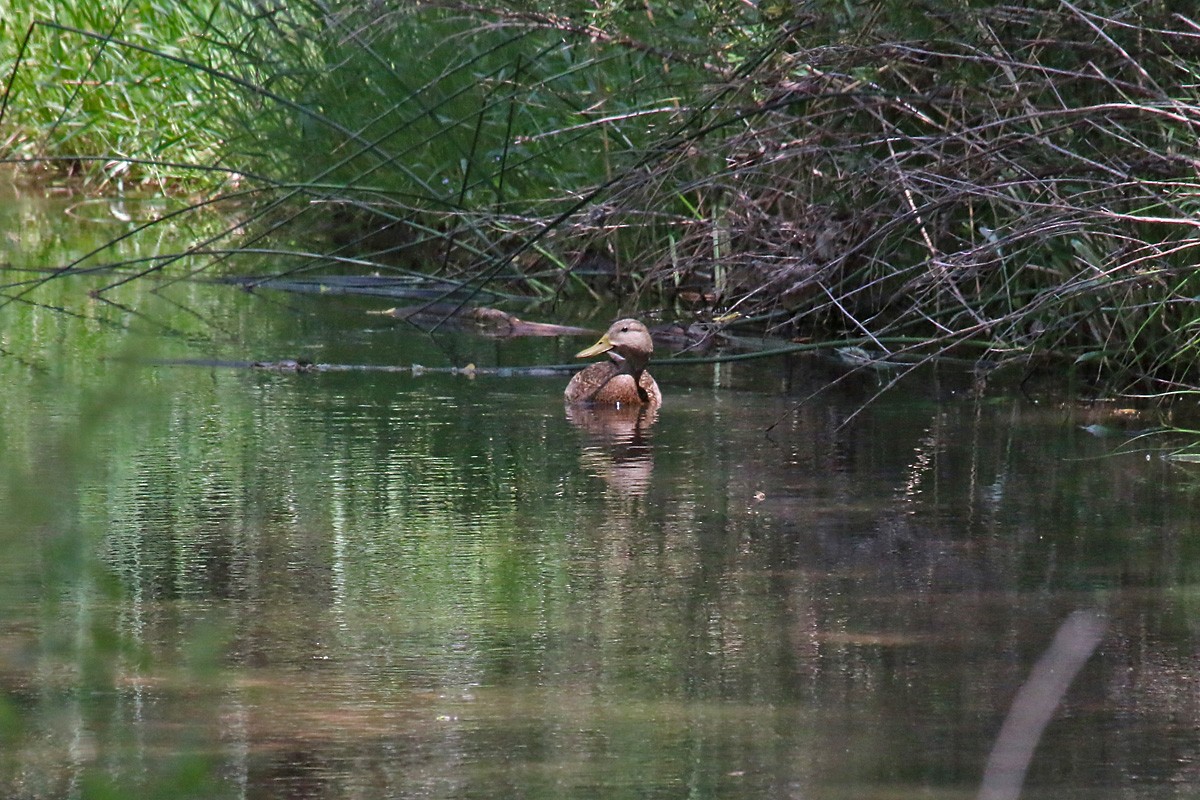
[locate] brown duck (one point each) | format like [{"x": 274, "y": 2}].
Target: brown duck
[{"x": 622, "y": 380}]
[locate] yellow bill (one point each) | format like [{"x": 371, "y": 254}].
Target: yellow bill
[{"x": 602, "y": 346}]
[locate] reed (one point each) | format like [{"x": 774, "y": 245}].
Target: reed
[
  {"x": 116, "y": 95},
  {"x": 1015, "y": 184}
]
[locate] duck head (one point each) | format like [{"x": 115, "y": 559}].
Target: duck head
[{"x": 627, "y": 343}]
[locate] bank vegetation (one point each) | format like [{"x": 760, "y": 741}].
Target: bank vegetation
[{"x": 1008, "y": 183}]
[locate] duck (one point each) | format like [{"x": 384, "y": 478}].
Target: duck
[{"x": 621, "y": 381}]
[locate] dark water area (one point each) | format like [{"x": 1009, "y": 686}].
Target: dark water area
[{"x": 227, "y": 582}]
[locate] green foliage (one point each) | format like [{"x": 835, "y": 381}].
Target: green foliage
[
  {"x": 972, "y": 173},
  {"x": 495, "y": 115},
  {"x": 117, "y": 92}
]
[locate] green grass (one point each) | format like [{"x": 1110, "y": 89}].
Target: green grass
[{"x": 119, "y": 94}]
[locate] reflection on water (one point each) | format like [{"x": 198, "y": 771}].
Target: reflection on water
[
  {"x": 617, "y": 448},
  {"x": 239, "y": 584}
]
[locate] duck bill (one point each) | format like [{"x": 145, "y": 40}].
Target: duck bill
[{"x": 602, "y": 346}]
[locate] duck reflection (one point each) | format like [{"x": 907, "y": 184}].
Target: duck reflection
[{"x": 618, "y": 449}]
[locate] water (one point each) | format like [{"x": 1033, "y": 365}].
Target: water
[{"x": 244, "y": 583}]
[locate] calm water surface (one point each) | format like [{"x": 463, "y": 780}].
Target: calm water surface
[{"x": 243, "y": 583}]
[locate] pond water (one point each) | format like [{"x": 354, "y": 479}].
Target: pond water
[{"x": 228, "y": 582}]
